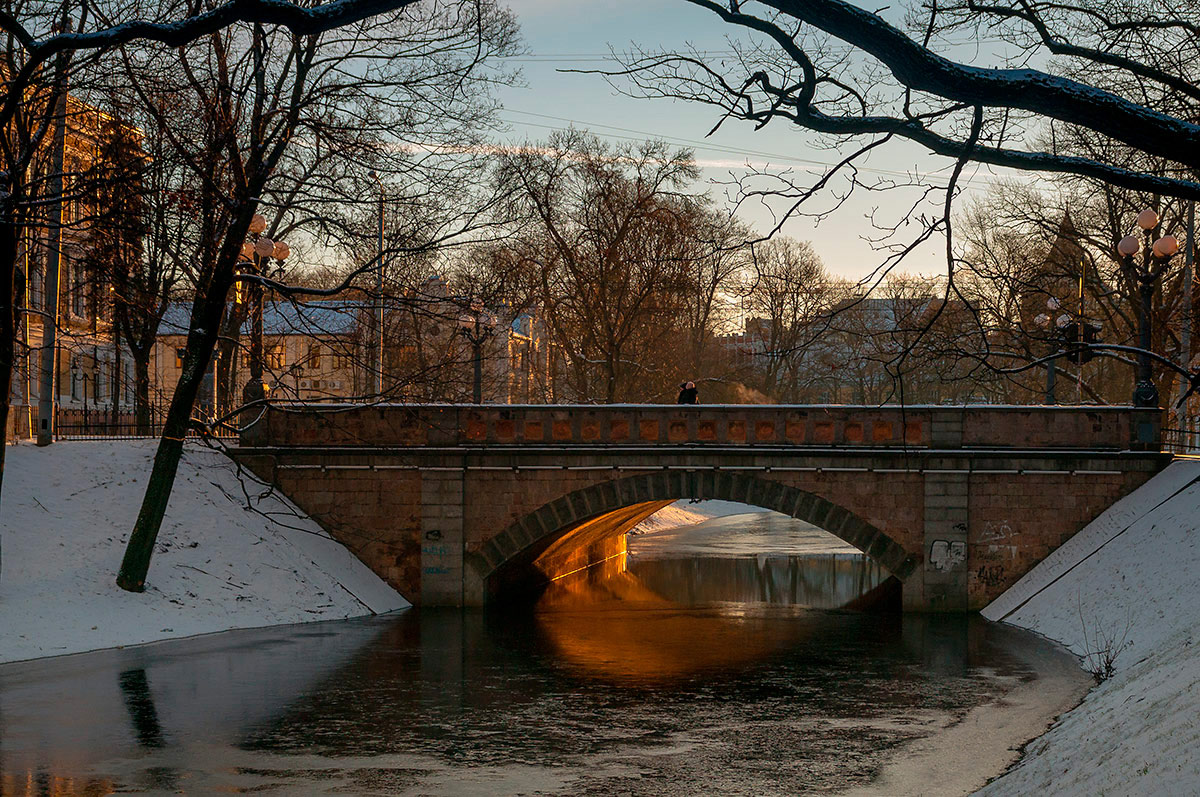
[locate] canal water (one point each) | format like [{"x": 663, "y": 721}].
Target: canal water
[{"x": 710, "y": 666}]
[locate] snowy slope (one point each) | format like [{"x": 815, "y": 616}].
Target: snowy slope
[
  {"x": 1132, "y": 579},
  {"x": 686, "y": 513},
  {"x": 67, "y": 511}
]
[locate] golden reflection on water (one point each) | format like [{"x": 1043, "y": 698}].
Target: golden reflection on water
[
  {"x": 42, "y": 784},
  {"x": 615, "y": 629}
]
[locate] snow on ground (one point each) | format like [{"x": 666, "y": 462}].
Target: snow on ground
[
  {"x": 686, "y": 512},
  {"x": 67, "y": 511},
  {"x": 1130, "y": 584}
]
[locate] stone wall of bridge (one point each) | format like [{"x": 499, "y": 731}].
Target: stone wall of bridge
[
  {"x": 457, "y": 505},
  {"x": 981, "y": 426}
]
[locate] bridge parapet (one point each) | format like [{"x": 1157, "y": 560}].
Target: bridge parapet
[
  {"x": 808, "y": 426},
  {"x": 462, "y": 505}
]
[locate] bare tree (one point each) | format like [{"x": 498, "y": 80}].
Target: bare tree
[
  {"x": 786, "y": 294},
  {"x": 606, "y": 232},
  {"x": 793, "y": 73},
  {"x": 256, "y": 92},
  {"x": 46, "y": 43},
  {"x": 861, "y": 81}
]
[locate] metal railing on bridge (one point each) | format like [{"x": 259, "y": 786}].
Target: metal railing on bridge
[
  {"x": 1181, "y": 441},
  {"x": 103, "y": 424}
]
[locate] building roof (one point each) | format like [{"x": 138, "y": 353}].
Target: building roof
[{"x": 281, "y": 318}]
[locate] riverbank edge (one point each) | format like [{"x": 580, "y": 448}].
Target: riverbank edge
[
  {"x": 1090, "y": 686},
  {"x": 1131, "y": 567},
  {"x": 988, "y": 740},
  {"x": 57, "y": 657}
]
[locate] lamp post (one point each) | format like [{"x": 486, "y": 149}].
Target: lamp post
[
  {"x": 1043, "y": 320},
  {"x": 1156, "y": 258},
  {"x": 377, "y": 304},
  {"x": 477, "y": 326},
  {"x": 1071, "y": 333},
  {"x": 257, "y": 252}
]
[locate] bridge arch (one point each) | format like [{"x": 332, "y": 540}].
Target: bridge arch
[{"x": 588, "y": 525}]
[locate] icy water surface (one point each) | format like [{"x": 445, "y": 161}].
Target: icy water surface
[{"x": 658, "y": 683}]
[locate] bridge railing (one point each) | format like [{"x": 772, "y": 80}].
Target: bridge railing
[
  {"x": 1181, "y": 441},
  {"x": 638, "y": 425}
]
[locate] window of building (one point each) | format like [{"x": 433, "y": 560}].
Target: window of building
[
  {"x": 78, "y": 288},
  {"x": 277, "y": 356},
  {"x": 72, "y": 185},
  {"x": 179, "y": 352},
  {"x": 34, "y": 360},
  {"x": 36, "y": 286},
  {"x": 341, "y": 361},
  {"x": 314, "y": 356}
]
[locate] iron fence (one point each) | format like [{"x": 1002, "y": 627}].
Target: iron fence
[
  {"x": 102, "y": 424},
  {"x": 1182, "y": 441}
]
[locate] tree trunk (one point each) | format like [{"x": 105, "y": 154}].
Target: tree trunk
[
  {"x": 116, "y": 375},
  {"x": 141, "y": 390},
  {"x": 8, "y": 328},
  {"x": 206, "y": 318}
]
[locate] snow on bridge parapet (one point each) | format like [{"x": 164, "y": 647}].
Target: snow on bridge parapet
[{"x": 812, "y": 426}]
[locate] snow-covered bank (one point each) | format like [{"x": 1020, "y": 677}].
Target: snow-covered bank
[
  {"x": 67, "y": 511},
  {"x": 688, "y": 513},
  {"x": 1127, "y": 583}
]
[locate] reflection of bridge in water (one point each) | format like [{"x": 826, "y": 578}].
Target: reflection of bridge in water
[
  {"x": 421, "y": 701},
  {"x": 458, "y": 505},
  {"x": 819, "y": 581}
]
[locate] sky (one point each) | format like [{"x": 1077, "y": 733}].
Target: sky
[{"x": 567, "y": 34}]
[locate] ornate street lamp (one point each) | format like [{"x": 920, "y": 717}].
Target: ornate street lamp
[
  {"x": 257, "y": 253},
  {"x": 1071, "y": 333},
  {"x": 477, "y": 326},
  {"x": 1156, "y": 258}
]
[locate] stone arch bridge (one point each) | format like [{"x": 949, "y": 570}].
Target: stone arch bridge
[{"x": 465, "y": 505}]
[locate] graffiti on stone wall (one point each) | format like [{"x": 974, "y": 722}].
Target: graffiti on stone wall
[
  {"x": 1001, "y": 538},
  {"x": 946, "y": 555},
  {"x": 991, "y": 575}
]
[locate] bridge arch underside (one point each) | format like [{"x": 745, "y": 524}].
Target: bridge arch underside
[{"x": 588, "y": 526}]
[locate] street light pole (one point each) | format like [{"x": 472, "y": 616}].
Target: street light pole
[
  {"x": 1051, "y": 372},
  {"x": 1145, "y": 394},
  {"x": 258, "y": 252},
  {"x": 256, "y": 388},
  {"x": 1156, "y": 257},
  {"x": 1044, "y": 320},
  {"x": 477, "y": 394},
  {"x": 477, "y": 327},
  {"x": 1077, "y": 334},
  {"x": 1185, "y": 327},
  {"x": 49, "y": 353},
  {"x": 377, "y": 308}
]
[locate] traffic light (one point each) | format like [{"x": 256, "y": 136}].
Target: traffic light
[{"x": 1077, "y": 333}]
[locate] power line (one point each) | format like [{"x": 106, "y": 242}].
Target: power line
[{"x": 640, "y": 135}]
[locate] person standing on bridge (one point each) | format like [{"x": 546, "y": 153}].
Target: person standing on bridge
[{"x": 688, "y": 394}]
